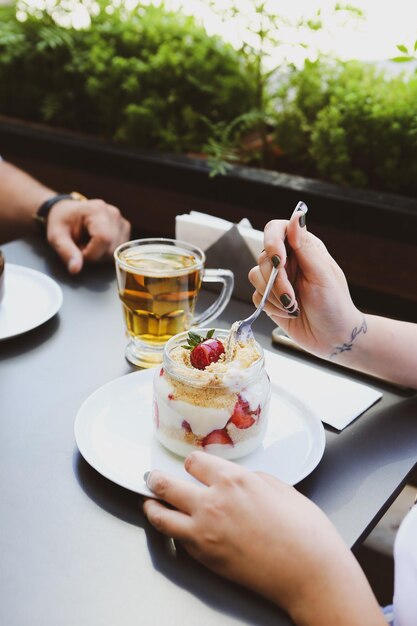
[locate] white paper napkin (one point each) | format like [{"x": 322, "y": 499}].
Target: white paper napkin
[
  {"x": 336, "y": 399},
  {"x": 204, "y": 230}
]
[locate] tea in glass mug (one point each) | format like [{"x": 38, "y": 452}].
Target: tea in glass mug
[{"x": 158, "y": 282}]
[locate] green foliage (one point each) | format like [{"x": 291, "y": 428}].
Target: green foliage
[
  {"x": 406, "y": 54},
  {"x": 224, "y": 144},
  {"x": 153, "y": 78},
  {"x": 350, "y": 124},
  {"x": 147, "y": 76}
]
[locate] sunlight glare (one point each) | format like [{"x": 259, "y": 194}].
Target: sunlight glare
[{"x": 375, "y": 38}]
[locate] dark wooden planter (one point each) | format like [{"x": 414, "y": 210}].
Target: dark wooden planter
[{"x": 372, "y": 235}]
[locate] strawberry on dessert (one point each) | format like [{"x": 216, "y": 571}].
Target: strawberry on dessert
[
  {"x": 203, "y": 350},
  {"x": 207, "y": 401}
]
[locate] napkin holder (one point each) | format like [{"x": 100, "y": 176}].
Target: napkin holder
[{"x": 231, "y": 251}]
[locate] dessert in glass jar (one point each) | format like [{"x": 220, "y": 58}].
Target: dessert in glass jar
[{"x": 207, "y": 399}]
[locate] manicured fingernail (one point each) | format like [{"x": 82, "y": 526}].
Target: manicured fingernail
[
  {"x": 145, "y": 477},
  {"x": 275, "y": 260},
  {"x": 301, "y": 206},
  {"x": 295, "y": 313},
  {"x": 285, "y": 300},
  {"x": 302, "y": 220}
]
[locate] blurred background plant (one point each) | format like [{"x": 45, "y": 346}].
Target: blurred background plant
[
  {"x": 406, "y": 55},
  {"x": 260, "y": 32},
  {"x": 349, "y": 123},
  {"x": 147, "y": 75}
]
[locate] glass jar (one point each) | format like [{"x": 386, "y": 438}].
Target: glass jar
[{"x": 221, "y": 409}]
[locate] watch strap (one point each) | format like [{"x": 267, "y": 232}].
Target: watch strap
[{"x": 41, "y": 215}]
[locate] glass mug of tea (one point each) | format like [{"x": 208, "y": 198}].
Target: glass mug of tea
[{"x": 158, "y": 282}]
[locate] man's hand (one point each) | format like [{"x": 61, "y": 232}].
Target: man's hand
[
  {"x": 79, "y": 230},
  {"x": 87, "y": 230}
]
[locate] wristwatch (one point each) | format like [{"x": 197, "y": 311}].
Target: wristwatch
[{"x": 41, "y": 215}]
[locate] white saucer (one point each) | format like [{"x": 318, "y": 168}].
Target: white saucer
[
  {"x": 30, "y": 299},
  {"x": 114, "y": 433}
]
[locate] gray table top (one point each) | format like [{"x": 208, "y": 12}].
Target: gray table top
[{"x": 75, "y": 548}]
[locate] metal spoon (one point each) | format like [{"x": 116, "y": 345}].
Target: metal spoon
[{"x": 242, "y": 330}]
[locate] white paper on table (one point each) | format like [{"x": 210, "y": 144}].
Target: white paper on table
[
  {"x": 204, "y": 230},
  {"x": 336, "y": 399}
]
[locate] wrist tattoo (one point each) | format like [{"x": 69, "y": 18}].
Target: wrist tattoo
[{"x": 347, "y": 347}]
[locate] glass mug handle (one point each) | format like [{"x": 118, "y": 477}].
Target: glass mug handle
[{"x": 216, "y": 276}]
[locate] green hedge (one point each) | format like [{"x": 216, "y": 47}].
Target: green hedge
[
  {"x": 148, "y": 77},
  {"x": 351, "y": 124},
  {"x": 155, "y": 79}
]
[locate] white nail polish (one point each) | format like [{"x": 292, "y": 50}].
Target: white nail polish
[{"x": 300, "y": 208}]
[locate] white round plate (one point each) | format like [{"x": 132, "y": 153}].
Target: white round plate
[
  {"x": 114, "y": 433},
  {"x": 30, "y": 299}
]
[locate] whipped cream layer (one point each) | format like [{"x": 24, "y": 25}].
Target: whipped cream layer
[{"x": 203, "y": 417}]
